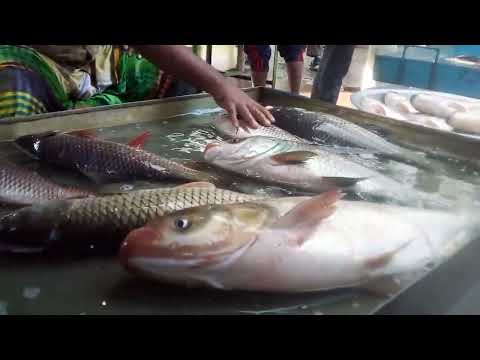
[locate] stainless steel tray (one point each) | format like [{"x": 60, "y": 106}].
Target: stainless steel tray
[{"x": 101, "y": 286}]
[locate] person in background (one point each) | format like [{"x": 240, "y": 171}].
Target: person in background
[
  {"x": 315, "y": 52},
  {"x": 46, "y": 78},
  {"x": 259, "y": 57},
  {"x": 333, "y": 67}
]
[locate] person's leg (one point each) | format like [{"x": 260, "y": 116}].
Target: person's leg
[
  {"x": 333, "y": 67},
  {"x": 258, "y": 57},
  {"x": 293, "y": 55},
  {"x": 295, "y": 75}
]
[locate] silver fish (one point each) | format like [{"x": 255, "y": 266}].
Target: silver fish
[
  {"x": 466, "y": 121},
  {"x": 399, "y": 103},
  {"x": 325, "y": 128},
  {"x": 295, "y": 244},
  {"x": 429, "y": 121},
  {"x": 225, "y": 127},
  {"x": 289, "y": 163},
  {"x": 436, "y": 105},
  {"x": 375, "y": 106}
]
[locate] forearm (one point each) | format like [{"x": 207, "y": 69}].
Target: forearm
[{"x": 181, "y": 62}]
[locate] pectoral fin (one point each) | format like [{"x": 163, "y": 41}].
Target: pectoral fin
[
  {"x": 98, "y": 178},
  {"x": 139, "y": 141},
  {"x": 341, "y": 182},
  {"x": 302, "y": 220},
  {"x": 293, "y": 157}
]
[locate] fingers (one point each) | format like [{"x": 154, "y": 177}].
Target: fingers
[
  {"x": 267, "y": 113},
  {"x": 260, "y": 117},
  {"x": 247, "y": 116},
  {"x": 232, "y": 111}
]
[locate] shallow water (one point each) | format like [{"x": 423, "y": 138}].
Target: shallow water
[{"x": 101, "y": 286}]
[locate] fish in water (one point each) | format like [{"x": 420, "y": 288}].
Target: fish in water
[
  {"x": 98, "y": 225},
  {"x": 468, "y": 121},
  {"x": 325, "y": 128},
  {"x": 19, "y": 186},
  {"x": 436, "y": 105},
  {"x": 375, "y": 106},
  {"x": 224, "y": 126},
  {"x": 309, "y": 169},
  {"x": 295, "y": 244},
  {"x": 399, "y": 103},
  {"x": 104, "y": 161},
  {"x": 303, "y": 167}
]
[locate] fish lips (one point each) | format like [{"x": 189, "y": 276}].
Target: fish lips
[
  {"x": 211, "y": 152},
  {"x": 139, "y": 248}
]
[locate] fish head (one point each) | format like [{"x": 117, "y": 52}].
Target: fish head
[
  {"x": 31, "y": 144},
  {"x": 236, "y": 151},
  {"x": 192, "y": 241},
  {"x": 223, "y": 124}
]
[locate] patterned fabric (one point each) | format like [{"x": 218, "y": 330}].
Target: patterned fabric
[
  {"x": 24, "y": 92},
  {"x": 32, "y": 83}
]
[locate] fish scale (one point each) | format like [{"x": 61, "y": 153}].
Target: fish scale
[
  {"x": 100, "y": 224},
  {"x": 24, "y": 187},
  {"x": 99, "y": 159},
  {"x": 333, "y": 130}
]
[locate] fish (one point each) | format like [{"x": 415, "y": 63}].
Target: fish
[
  {"x": 291, "y": 164},
  {"x": 429, "y": 121},
  {"x": 326, "y": 129},
  {"x": 97, "y": 226},
  {"x": 104, "y": 161},
  {"x": 294, "y": 244},
  {"x": 22, "y": 187},
  {"x": 399, "y": 103},
  {"x": 224, "y": 126},
  {"x": 300, "y": 169},
  {"x": 465, "y": 121},
  {"x": 375, "y": 106},
  {"x": 402, "y": 105},
  {"x": 436, "y": 105}
]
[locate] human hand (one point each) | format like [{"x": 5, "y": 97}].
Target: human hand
[{"x": 243, "y": 110}]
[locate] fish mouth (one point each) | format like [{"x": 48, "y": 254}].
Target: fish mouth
[
  {"x": 138, "y": 243},
  {"x": 138, "y": 254},
  {"x": 210, "y": 146},
  {"x": 140, "y": 246},
  {"x": 208, "y": 154}
]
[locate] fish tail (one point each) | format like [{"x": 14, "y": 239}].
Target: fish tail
[{"x": 34, "y": 228}]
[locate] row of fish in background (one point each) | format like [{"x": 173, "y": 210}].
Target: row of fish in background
[
  {"x": 429, "y": 110},
  {"x": 200, "y": 234}
]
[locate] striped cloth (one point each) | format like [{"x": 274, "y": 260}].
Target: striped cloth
[{"x": 32, "y": 83}]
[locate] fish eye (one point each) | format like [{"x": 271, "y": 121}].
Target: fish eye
[
  {"x": 237, "y": 140},
  {"x": 182, "y": 224}
]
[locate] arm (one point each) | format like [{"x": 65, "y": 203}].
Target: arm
[{"x": 181, "y": 62}]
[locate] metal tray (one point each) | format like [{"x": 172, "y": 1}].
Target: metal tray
[
  {"x": 379, "y": 93},
  {"x": 101, "y": 286}
]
